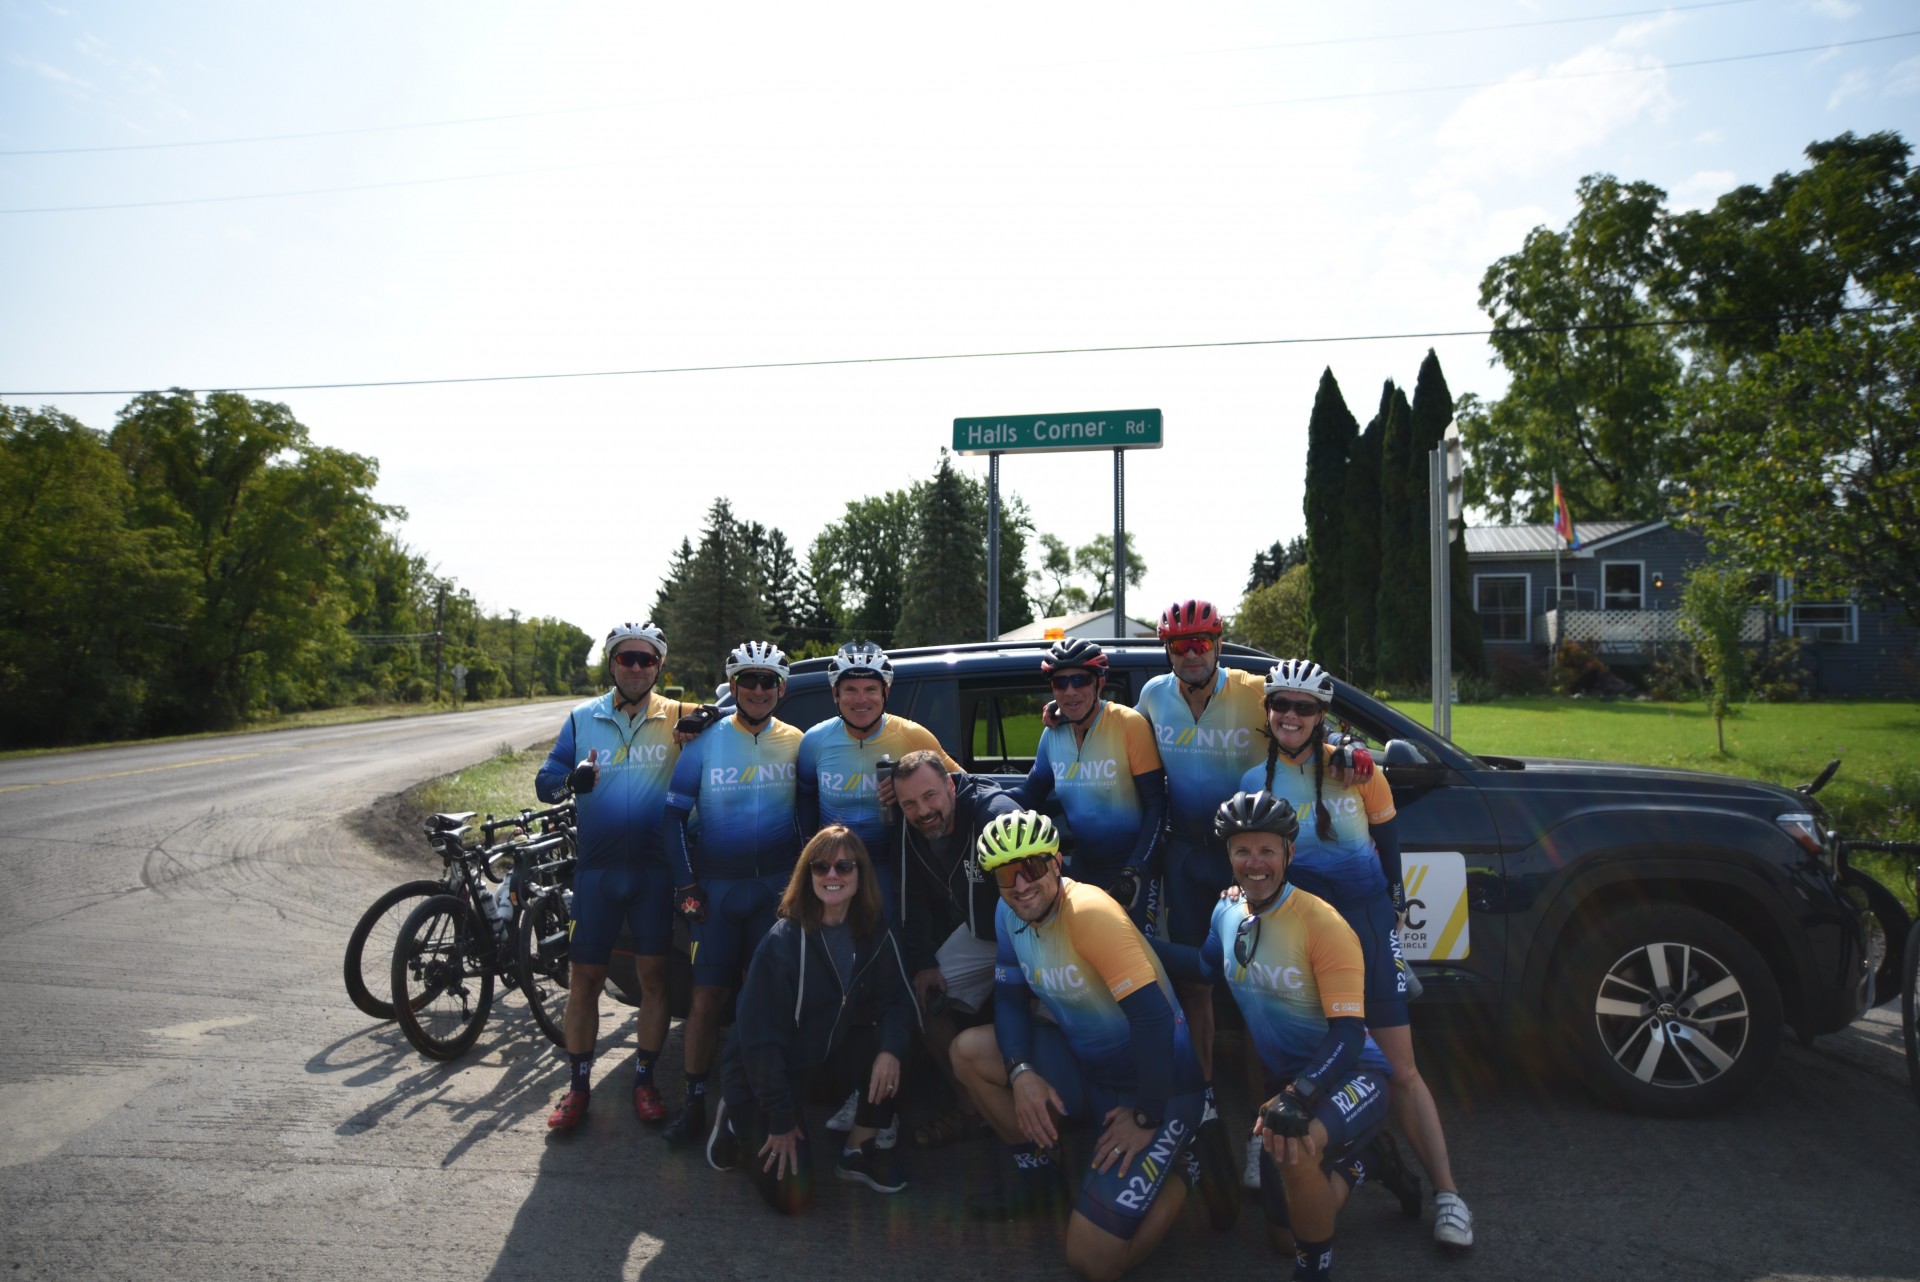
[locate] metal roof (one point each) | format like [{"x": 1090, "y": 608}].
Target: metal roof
[{"x": 1540, "y": 540}]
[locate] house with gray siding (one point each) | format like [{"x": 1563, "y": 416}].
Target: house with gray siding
[{"x": 1618, "y": 593}]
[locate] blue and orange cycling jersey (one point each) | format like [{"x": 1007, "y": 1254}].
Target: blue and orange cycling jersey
[
  {"x": 1080, "y": 962},
  {"x": 1345, "y": 869},
  {"x": 739, "y": 787},
  {"x": 1305, "y": 969},
  {"x": 620, "y": 819},
  {"x": 1099, "y": 782},
  {"x": 1205, "y": 757},
  {"x": 835, "y": 779}
]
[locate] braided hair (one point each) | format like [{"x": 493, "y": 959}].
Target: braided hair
[{"x": 1322, "y": 817}]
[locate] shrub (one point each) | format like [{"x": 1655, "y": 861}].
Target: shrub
[
  {"x": 1518, "y": 675},
  {"x": 1777, "y": 674},
  {"x": 1673, "y": 680},
  {"x": 1576, "y": 670}
]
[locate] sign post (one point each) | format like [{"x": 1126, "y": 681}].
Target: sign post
[
  {"x": 1444, "y": 477},
  {"x": 1116, "y": 430}
]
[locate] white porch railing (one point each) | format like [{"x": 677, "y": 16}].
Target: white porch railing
[{"x": 1629, "y": 629}]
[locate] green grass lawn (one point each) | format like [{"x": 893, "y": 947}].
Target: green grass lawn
[{"x": 1875, "y": 796}]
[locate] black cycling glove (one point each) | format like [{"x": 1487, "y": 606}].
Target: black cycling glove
[
  {"x": 1290, "y": 1113},
  {"x": 690, "y": 902},
  {"x": 581, "y": 777},
  {"x": 1126, "y": 887},
  {"x": 697, "y": 720}
]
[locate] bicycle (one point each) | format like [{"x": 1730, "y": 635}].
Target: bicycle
[
  {"x": 1905, "y": 962},
  {"x": 369, "y": 957},
  {"x": 453, "y": 945}
]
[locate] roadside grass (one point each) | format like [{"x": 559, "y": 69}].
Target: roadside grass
[
  {"x": 1875, "y": 796},
  {"x": 500, "y": 785},
  {"x": 351, "y": 714}
]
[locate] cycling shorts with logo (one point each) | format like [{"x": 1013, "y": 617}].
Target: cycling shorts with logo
[
  {"x": 604, "y": 899},
  {"x": 1353, "y": 1114},
  {"x": 1196, "y": 874},
  {"x": 1118, "y": 1199},
  {"x": 740, "y": 912}
]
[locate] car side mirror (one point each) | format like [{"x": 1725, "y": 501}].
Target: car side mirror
[{"x": 1408, "y": 767}]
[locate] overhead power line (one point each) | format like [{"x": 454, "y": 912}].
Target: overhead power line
[
  {"x": 305, "y": 191},
  {"x": 504, "y": 117},
  {"x": 1597, "y": 327},
  {"x": 1578, "y": 75}
]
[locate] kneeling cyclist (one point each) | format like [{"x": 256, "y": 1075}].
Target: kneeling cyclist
[{"x": 1295, "y": 970}]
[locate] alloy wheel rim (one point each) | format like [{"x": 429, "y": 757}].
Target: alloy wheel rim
[{"x": 1672, "y": 1016}]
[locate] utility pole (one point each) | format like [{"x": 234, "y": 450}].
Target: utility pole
[{"x": 439, "y": 619}]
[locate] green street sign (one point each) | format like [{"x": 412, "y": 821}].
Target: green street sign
[{"x": 1046, "y": 433}]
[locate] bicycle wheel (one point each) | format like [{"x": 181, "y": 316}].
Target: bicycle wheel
[
  {"x": 544, "y": 935},
  {"x": 369, "y": 961},
  {"x": 1910, "y": 1008},
  {"x": 442, "y": 986}
]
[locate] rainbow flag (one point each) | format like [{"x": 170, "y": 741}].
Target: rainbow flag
[{"x": 1563, "y": 519}]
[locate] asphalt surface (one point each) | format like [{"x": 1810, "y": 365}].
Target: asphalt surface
[{"x": 185, "y": 1091}]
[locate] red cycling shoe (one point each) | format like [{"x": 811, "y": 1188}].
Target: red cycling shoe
[
  {"x": 648, "y": 1104},
  {"x": 569, "y": 1112}
]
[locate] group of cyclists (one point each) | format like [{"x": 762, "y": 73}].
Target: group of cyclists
[{"x": 862, "y": 891}]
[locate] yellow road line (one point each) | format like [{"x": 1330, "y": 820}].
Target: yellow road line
[{"x": 146, "y": 770}]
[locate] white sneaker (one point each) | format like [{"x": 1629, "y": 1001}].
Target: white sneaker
[
  {"x": 843, "y": 1120},
  {"x": 1452, "y": 1221},
  {"x": 1251, "y": 1176},
  {"x": 889, "y": 1135}
]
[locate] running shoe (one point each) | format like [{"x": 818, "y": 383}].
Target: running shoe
[
  {"x": 723, "y": 1149},
  {"x": 843, "y": 1120},
  {"x": 569, "y": 1112},
  {"x": 648, "y": 1104},
  {"x": 688, "y": 1126},
  {"x": 1452, "y": 1221},
  {"x": 872, "y": 1166}
]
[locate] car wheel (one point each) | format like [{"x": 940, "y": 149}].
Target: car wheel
[{"x": 1667, "y": 1011}]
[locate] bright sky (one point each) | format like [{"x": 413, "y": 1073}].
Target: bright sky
[{"x": 492, "y": 189}]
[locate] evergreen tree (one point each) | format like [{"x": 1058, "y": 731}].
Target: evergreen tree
[
  {"x": 1269, "y": 565},
  {"x": 1332, "y": 435},
  {"x": 1354, "y": 652},
  {"x": 715, "y": 606},
  {"x": 1432, "y": 412},
  {"x": 1402, "y": 627},
  {"x": 948, "y": 570}
]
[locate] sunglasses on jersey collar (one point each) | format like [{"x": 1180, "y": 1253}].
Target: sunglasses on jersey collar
[
  {"x": 821, "y": 867},
  {"x": 1033, "y": 868},
  {"x": 1190, "y": 645},
  {"x": 1246, "y": 940},
  {"x": 637, "y": 659},
  {"x": 757, "y": 681}
]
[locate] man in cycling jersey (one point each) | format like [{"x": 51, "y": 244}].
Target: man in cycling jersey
[
  {"x": 1100, "y": 761},
  {"x": 838, "y": 775},
  {"x": 616, "y": 753},
  {"x": 1115, "y": 1056},
  {"x": 737, "y": 778},
  {"x": 1296, "y": 971}
]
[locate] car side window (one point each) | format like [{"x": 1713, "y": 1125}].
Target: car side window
[
  {"x": 1001, "y": 727},
  {"x": 806, "y": 708}
]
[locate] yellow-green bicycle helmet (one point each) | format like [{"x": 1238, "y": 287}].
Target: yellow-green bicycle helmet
[{"x": 1023, "y": 834}]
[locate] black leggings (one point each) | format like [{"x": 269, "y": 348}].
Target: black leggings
[{"x": 849, "y": 1069}]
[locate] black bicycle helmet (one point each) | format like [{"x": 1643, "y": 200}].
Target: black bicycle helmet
[
  {"x": 1072, "y": 652},
  {"x": 1256, "y": 812}
]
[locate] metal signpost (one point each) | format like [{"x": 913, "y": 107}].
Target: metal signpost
[
  {"x": 1116, "y": 430},
  {"x": 1444, "y": 480}
]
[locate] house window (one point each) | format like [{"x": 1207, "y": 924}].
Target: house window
[
  {"x": 1501, "y": 600},
  {"x": 1620, "y": 586},
  {"x": 1570, "y": 596},
  {"x": 1825, "y": 623}
]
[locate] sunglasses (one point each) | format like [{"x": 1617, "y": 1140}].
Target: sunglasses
[
  {"x": 757, "y": 681},
  {"x": 821, "y": 867},
  {"x": 1301, "y": 707},
  {"x": 1072, "y": 681},
  {"x": 1190, "y": 645},
  {"x": 1246, "y": 940},
  {"x": 637, "y": 659},
  {"x": 1033, "y": 868}
]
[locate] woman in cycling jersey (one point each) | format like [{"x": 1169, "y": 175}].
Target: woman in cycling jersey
[
  {"x": 1348, "y": 853},
  {"x": 829, "y": 960}
]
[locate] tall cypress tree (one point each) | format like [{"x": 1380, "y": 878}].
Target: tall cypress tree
[
  {"x": 1432, "y": 412},
  {"x": 1355, "y": 653},
  {"x": 1331, "y": 436},
  {"x": 1401, "y": 626}
]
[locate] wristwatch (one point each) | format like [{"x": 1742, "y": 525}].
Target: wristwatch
[
  {"x": 1014, "y": 1070},
  {"x": 1144, "y": 1120}
]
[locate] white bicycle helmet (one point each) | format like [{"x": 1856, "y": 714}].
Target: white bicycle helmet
[
  {"x": 635, "y": 632},
  {"x": 860, "y": 659},
  {"x": 757, "y": 654},
  {"x": 1303, "y": 676}
]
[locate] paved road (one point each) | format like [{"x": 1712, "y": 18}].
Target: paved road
[{"x": 186, "y": 1093}]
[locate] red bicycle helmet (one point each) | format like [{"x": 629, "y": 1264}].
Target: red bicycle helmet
[{"x": 1190, "y": 618}]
